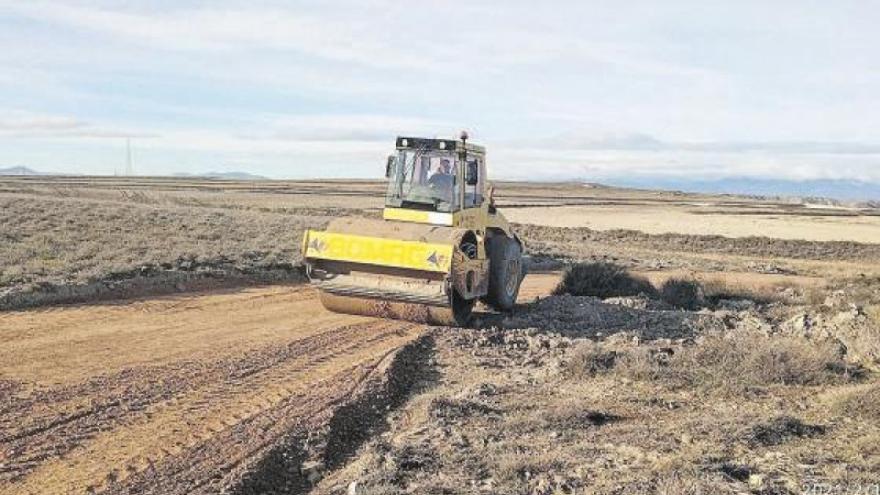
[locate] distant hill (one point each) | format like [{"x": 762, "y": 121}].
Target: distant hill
[
  {"x": 19, "y": 171},
  {"x": 844, "y": 191},
  {"x": 225, "y": 175}
]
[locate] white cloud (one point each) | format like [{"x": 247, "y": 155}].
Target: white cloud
[
  {"x": 382, "y": 128},
  {"x": 690, "y": 88},
  {"x": 22, "y": 124},
  {"x": 232, "y": 29}
]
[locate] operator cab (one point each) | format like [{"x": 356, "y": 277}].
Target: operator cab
[{"x": 436, "y": 175}]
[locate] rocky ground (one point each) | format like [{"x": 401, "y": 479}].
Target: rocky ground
[{"x": 629, "y": 395}]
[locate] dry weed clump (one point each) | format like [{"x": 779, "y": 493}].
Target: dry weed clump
[{"x": 602, "y": 279}]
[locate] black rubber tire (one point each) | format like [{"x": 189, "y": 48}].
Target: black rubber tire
[{"x": 505, "y": 261}]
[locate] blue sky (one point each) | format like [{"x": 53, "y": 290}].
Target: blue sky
[{"x": 556, "y": 90}]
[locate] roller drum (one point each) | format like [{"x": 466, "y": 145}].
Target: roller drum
[{"x": 456, "y": 314}]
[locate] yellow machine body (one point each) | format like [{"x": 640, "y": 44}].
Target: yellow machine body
[
  {"x": 414, "y": 263},
  {"x": 411, "y": 255}
]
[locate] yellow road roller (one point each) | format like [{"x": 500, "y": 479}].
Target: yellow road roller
[{"x": 440, "y": 246}]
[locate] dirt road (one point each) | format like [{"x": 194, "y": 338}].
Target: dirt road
[{"x": 178, "y": 394}]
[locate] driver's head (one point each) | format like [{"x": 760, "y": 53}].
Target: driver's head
[{"x": 444, "y": 166}]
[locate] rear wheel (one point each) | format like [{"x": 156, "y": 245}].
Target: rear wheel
[{"x": 505, "y": 272}]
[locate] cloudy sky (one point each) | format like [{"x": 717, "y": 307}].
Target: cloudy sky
[{"x": 568, "y": 89}]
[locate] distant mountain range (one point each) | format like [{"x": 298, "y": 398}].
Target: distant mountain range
[
  {"x": 841, "y": 190},
  {"x": 19, "y": 171}
]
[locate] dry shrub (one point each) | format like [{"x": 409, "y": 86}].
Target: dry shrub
[
  {"x": 682, "y": 293},
  {"x": 601, "y": 279},
  {"x": 644, "y": 363},
  {"x": 739, "y": 361}
]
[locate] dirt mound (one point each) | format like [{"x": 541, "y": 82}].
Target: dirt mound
[
  {"x": 857, "y": 334},
  {"x": 149, "y": 280}
]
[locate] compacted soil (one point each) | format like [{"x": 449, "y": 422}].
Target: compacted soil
[
  {"x": 173, "y": 395},
  {"x": 180, "y": 394}
]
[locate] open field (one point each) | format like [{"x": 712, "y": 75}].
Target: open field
[
  {"x": 66, "y": 239},
  {"x": 142, "y": 349},
  {"x": 709, "y": 219}
]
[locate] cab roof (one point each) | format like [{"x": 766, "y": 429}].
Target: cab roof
[{"x": 415, "y": 143}]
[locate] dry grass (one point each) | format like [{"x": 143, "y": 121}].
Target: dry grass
[
  {"x": 71, "y": 230},
  {"x": 863, "y": 402},
  {"x": 873, "y": 311},
  {"x": 716, "y": 289},
  {"x": 731, "y": 363},
  {"x": 513, "y": 468},
  {"x": 74, "y": 240},
  {"x": 741, "y": 361}
]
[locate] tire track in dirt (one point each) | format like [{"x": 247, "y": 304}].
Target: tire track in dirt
[
  {"x": 42, "y": 426},
  {"x": 228, "y": 457},
  {"x": 156, "y": 417},
  {"x": 181, "y": 425},
  {"x": 173, "y": 395}
]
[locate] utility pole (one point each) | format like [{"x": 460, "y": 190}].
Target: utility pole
[{"x": 129, "y": 171}]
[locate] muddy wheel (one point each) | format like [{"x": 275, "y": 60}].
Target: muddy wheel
[{"x": 505, "y": 272}]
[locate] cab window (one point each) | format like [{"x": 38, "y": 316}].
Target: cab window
[{"x": 473, "y": 195}]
